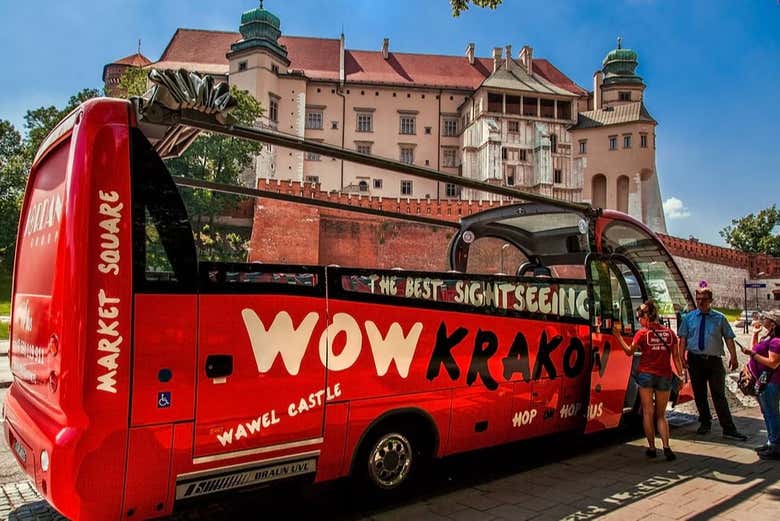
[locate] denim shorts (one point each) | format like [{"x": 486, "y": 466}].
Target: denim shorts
[{"x": 653, "y": 381}]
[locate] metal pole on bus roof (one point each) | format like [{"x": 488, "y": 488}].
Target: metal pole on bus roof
[{"x": 297, "y": 143}]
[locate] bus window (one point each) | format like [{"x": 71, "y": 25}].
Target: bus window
[
  {"x": 612, "y": 299},
  {"x": 164, "y": 257},
  {"x": 663, "y": 280},
  {"x": 489, "y": 255}
]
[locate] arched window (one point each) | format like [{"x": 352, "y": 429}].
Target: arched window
[
  {"x": 363, "y": 186},
  {"x": 598, "y": 191},
  {"x": 622, "y": 194}
]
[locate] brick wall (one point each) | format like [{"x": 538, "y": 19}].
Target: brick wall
[{"x": 296, "y": 233}]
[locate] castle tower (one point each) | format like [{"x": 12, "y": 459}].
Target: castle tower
[{"x": 614, "y": 144}]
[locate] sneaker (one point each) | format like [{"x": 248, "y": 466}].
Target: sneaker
[
  {"x": 704, "y": 428},
  {"x": 651, "y": 453},
  {"x": 766, "y": 448},
  {"x": 669, "y": 455},
  {"x": 762, "y": 448},
  {"x": 734, "y": 435},
  {"x": 769, "y": 454}
]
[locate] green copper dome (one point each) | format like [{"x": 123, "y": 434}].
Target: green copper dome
[
  {"x": 260, "y": 29},
  {"x": 620, "y": 65}
]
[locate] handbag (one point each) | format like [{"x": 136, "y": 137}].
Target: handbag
[
  {"x": 747, "y": 381},
  {"x": 750, "y": 384}
]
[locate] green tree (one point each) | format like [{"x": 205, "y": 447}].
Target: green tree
[
  {"x": 40, "y": 121},
  {"x": 221, "y": 159},
  {"x": 133, "y": 82},
  {"x": 458, "y": 6},
  {"x": 755, "y": 233},
  {"x": 13, "y": 168}
]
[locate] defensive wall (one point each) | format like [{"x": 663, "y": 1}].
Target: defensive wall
[{"x": 294, "y": 233}]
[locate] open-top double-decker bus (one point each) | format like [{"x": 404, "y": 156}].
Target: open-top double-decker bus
[{"x": 137, "y": 387}]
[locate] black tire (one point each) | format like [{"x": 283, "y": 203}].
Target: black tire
[{"x": 390, "y": 460}]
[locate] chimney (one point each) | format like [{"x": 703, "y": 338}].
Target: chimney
[
  {"x": 598, "y": 77},
  {"x": 496, "y": 58},
  {"x": 527, "y": 58},
  {"x": 509, "y": 61},
  {"x": 386, "y": 48},
  {"x": 470, "y": 53}
]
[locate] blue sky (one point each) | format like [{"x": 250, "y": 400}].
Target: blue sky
[{"x": 712, "y": 68}]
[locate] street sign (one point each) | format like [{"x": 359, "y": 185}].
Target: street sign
[{"x": 755, "y": 284}]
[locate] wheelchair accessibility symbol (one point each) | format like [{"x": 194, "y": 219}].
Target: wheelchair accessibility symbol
[{"x": 163, "y": 399}]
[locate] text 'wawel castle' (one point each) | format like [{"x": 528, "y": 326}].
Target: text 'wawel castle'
[{"x": 511, "y": 119}]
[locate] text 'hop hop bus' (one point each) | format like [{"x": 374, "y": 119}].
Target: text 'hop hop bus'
[{"x": 145, "y": 376}]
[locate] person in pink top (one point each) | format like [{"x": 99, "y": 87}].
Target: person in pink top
[
  {"x": 658, "y": 346},
  {"x": 764, "y": 362}
]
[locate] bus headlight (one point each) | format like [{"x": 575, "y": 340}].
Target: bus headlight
[{"x": 44, "y": 460}]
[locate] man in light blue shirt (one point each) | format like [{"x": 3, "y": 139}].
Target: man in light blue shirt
[{"x": 702, "y": 333}]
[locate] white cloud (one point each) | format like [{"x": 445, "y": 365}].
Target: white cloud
[{"x": 675, "y": 209}]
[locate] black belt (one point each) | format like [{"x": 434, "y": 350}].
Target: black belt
[{"x": 704, "y": 356}]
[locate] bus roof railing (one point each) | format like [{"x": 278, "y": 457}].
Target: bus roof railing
[{"x": 181, "y": 104}]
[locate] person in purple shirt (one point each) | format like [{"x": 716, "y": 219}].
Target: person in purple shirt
[{"x": 764, "y": 362}]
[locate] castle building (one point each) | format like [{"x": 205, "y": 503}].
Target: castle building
[
  {"x": 113, "y": 72},
  {"x": 509, "y": 120}
]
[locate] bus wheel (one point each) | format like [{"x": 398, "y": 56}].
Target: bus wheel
[{"x": 390, "y": 460}]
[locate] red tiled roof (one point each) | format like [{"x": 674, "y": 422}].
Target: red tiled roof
[
  {"x": 318, "y": 58},
  {"x": 134, "y": 60}
]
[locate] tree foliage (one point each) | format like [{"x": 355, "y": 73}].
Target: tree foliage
[
  {"x": 39, "y": 122},
  {"x": 221, "y": 159},
  {"x": 755, "y": 233},
  {"x": 458, "y": 6},
  {"x": 133, "y": 82},
  {"x": 13, "y": 168}
]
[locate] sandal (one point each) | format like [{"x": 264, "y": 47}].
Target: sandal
[{"x": 651, "y": 453}]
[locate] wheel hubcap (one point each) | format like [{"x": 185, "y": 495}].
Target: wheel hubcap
[{"x": 390, "y": 460}]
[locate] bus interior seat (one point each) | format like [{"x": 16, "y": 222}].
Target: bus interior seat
[{"x": 535, "y": 267}]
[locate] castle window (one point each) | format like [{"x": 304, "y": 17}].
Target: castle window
[
  {"x": 451, "y": 190},
  {"x": 495, "y": 102},
  {"x": 407, "y": 155},
  {"x": 242, "y": 66},
  {"x": 274, "y": 68},
  {"x": 377, "y": 183},
  {"x": 312, "y": 156},
  {"x": 613, "y": 142},
  {"x": 583, "y": 146},
  {"x": 312, "y": 179},
  {"x": 513, "y": 126},
  {"x": 364, "y": 148},
  {"x": 273, "y": 109},
  {"x": 624, "y": 95},
  {"x": 510, "y": 175},
  {"x": 406, "y": 188},
  {"x": 450, "y": 127},
  {"x": 522, "y": 155},
  {"x": 449, "y": 157},
  {"x": 554, "y": 143},
  {"x": 513, "y": 105},
  {"x": 530, "y": 106},
  {"x": 314, "y": 119},
  {"x": 407, "y": 124},
  {"x": 627, "y": 141},
  {"x": 547, "y": 107},
  {"x": 557, "y": 176},
  {"x": 564, "y": 110},
  {"x": 363, "y": 186},
  {"x": 643, "y": 140},
  {"x": 365, "y": 122}
]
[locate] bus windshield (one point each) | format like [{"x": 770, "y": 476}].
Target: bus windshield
[{"x": 664, "y": 282}]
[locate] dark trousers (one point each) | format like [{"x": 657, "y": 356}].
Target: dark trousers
[{"x": 709, "y": 371}]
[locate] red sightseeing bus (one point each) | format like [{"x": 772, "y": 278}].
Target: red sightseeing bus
[{"x": 138, "y": 388}]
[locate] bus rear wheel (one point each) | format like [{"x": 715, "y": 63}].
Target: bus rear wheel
[{"x": 390, "y": 460}]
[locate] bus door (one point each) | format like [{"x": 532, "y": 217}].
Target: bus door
[
  {"x": 261, "y": 380},
  {"x": 610, "y": 367}
]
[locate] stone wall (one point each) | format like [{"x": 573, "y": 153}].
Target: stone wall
[{"x": 725, "y": 281}]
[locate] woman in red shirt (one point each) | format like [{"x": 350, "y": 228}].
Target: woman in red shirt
[{"x": 658, "y": 346}]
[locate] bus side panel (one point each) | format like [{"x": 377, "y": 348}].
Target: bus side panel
[
  {"x": 148, "y": 472},
  {"x": 164, "y": 359},
  {"x": 332, "y": 456},
  {"x": 610, "y": 372},
  {"x": 480, "y": 418},
  {"x": 103, "y": 206},
  {"x": 363, "y": 413}
]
